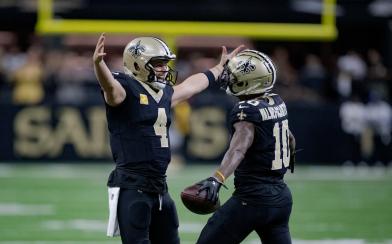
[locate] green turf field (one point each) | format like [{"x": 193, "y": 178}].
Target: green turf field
[{"x": 67, "y": 203}]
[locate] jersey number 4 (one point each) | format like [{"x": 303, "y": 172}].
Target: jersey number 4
[
  {"x": 160, "y": 127},
  {"x": 282, "y": 150}
]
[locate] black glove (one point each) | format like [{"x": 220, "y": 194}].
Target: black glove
[
  {"x": 224, "y": 78},
  {"x": 212, "y": 186}
]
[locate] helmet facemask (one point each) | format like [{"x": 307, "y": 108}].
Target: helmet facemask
[{"x": 158, "y": 79}]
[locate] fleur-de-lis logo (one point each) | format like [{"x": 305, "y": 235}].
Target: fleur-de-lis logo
[
  {"x": 246, "y": 67},
  {"x": 137, "y": 49},
  {"x": 242, "y": 115}
]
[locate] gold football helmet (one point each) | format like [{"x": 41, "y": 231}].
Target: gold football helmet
[
  {"x": 138, "y": 57},
  {"x": 249, "y": 72}
]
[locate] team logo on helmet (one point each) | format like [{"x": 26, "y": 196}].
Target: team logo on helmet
[
  {"x": 138, "y": 57},
  {"x": 246, "y": 67},
  {"x": 137, "y": 50},
  {"x": 249, "y": 73}
]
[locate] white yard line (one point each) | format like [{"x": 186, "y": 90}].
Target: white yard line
[
  {"x": 75, "y": 224},
  {"x": 19, "y": 209}
]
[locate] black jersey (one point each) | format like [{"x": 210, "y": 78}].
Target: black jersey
[
  {"x": 259, "y": 177},
  {"x": 139, "y": 135}
]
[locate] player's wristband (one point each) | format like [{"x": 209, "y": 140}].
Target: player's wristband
[
  {"x": 210, "y": 76},
  {"x": 218, "y": 173}
]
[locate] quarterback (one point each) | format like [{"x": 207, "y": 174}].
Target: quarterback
[{"x": 138, "y": 107}]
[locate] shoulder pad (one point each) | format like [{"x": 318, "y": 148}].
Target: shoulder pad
[
  {"x": 122, "y": 78},
  {"x": 245, "y": 111}
]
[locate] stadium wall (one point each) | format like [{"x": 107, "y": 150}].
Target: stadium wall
[{"x": 73, "y": 134}]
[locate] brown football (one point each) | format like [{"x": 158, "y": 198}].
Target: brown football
[{"x": 197, "y": 203}]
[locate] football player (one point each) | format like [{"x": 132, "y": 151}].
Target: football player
[
  {"x": 259, "y": 154},
  {"x": 138, "y": 107}
]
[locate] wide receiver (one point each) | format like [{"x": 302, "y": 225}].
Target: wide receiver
[{"x": 260, "y": 152}]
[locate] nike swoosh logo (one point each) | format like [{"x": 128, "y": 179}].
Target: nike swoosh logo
[{"x": 243, "y": 106}]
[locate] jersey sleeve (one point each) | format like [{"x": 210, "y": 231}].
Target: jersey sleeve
[
  {"x": 122, "y": 78},
  {"x": 244, "y": 112}
]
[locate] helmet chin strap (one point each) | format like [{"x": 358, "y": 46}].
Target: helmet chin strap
[
  {"x": 158, "y": 85},
  {"x": 154, "y": 82}
]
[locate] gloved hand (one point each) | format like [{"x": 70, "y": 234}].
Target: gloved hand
[{"x": 212, "y": 186}]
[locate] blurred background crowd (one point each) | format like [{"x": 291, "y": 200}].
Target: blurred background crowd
[{"x": 34, "y": 73}]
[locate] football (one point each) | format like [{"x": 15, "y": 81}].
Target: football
[{"x": 196, "y": 202}]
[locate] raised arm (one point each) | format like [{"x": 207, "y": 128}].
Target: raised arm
[
  {"x": 198, "y": 82},
  {"x": 114, "y": 93}
]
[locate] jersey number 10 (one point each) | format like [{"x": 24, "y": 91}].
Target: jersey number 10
[{"x": 282, "y": 150}]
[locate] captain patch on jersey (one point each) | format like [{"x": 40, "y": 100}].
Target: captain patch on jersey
[{"x": 143, "y": 99}]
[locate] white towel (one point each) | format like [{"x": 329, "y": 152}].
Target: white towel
[{"x": 113, "y": 228}]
